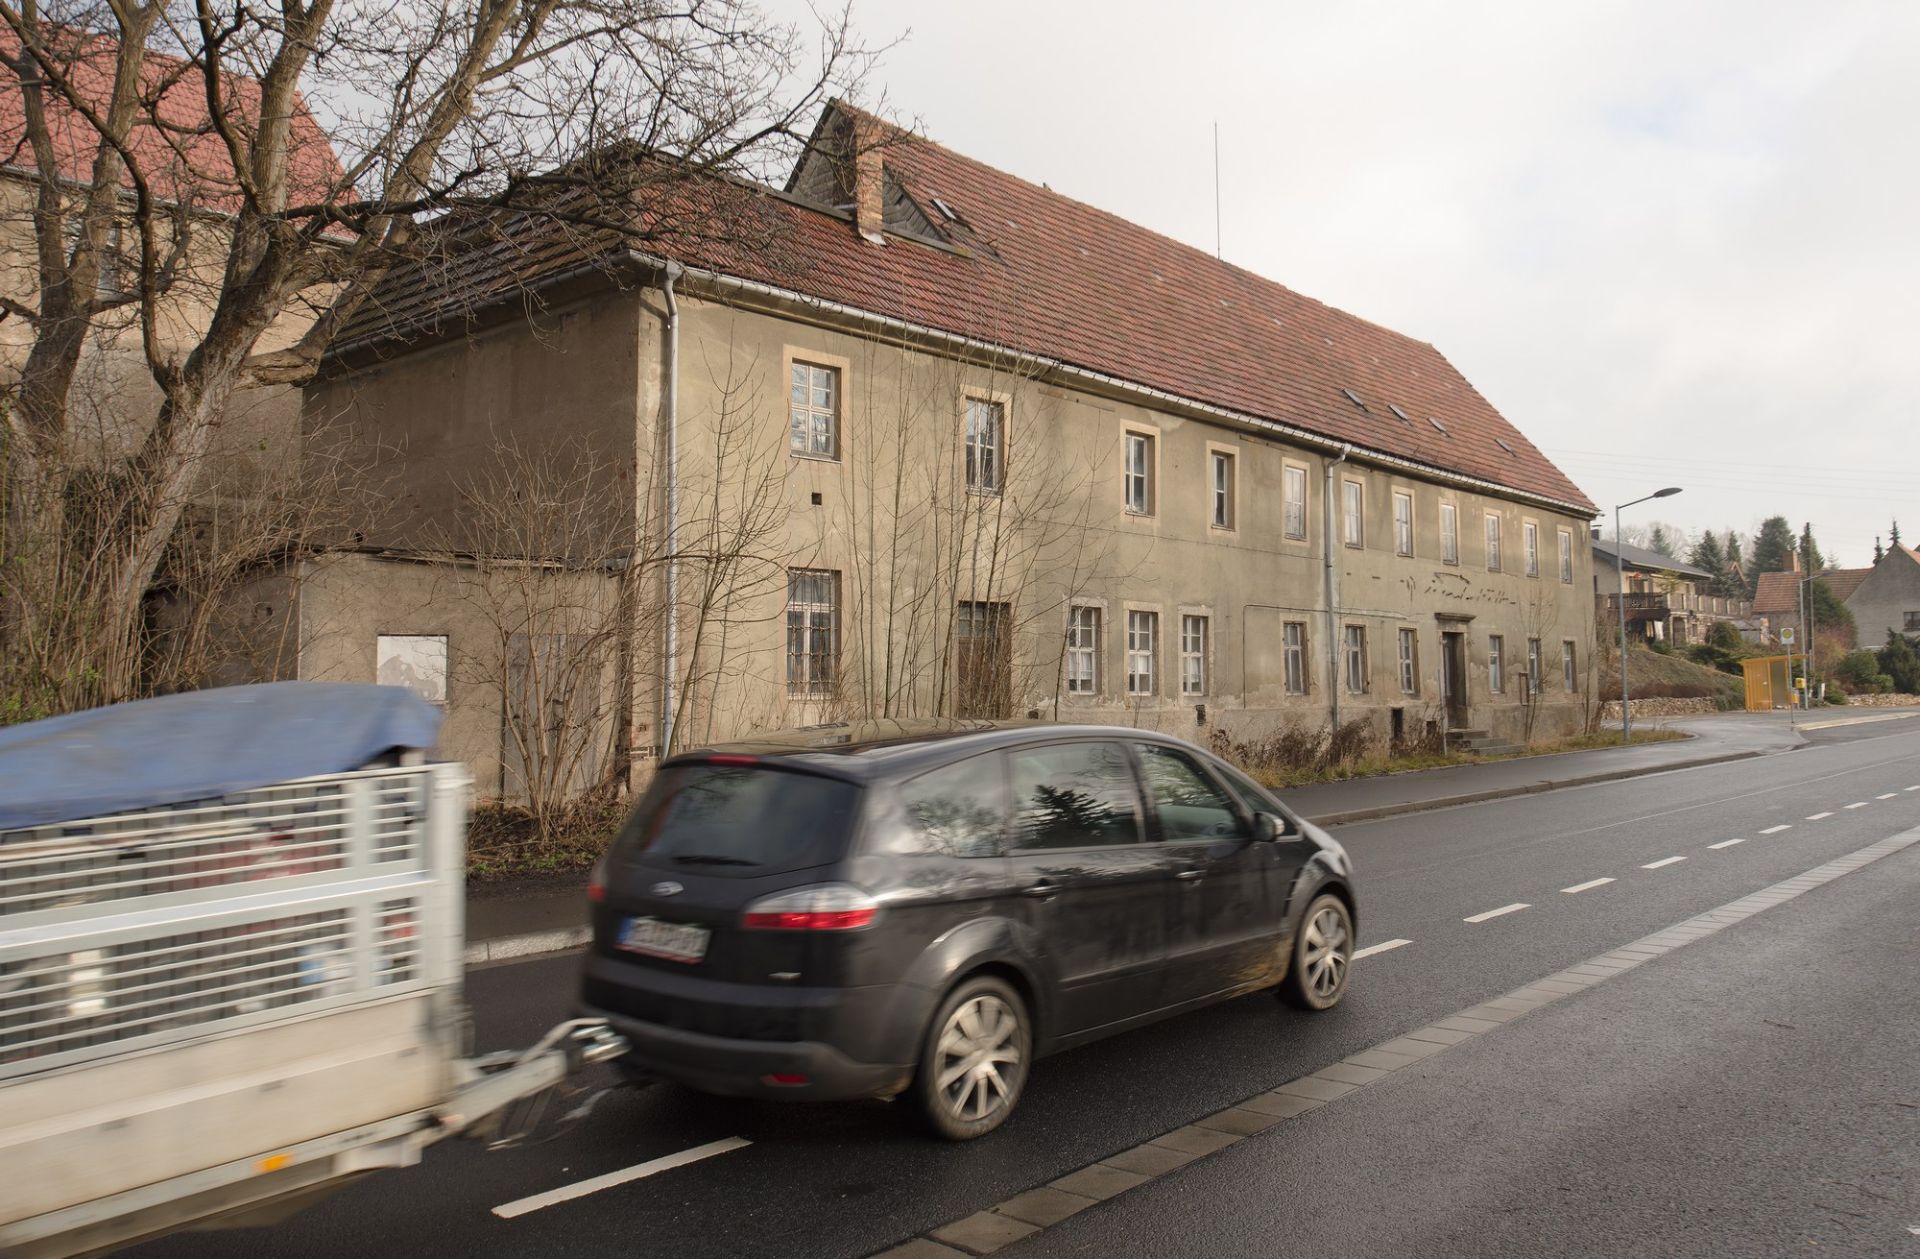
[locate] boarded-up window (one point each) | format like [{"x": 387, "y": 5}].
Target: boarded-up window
[{"x": 415, "y": 661}]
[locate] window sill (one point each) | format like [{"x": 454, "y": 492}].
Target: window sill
[
  {"x": 980, "y": 492},
  {"x": 810, "y": 457},
  {"x": 1139, "y": 515}
]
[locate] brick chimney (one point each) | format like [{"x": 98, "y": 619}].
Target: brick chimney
[{"x": 869, "y": 185}]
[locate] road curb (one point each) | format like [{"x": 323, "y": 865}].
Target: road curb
[
  {"x": 536, "y": 943},
  {"x": 1524, "y": 789},
  {"x": 531, "y": 944}
]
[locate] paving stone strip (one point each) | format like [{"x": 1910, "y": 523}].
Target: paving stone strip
[{"x": 1028, "y": 1213}]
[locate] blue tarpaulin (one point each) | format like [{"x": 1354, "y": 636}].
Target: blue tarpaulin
[{"x": 200, "y": 745}]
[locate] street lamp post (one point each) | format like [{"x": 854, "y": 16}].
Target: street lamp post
[{"x": 1620, "y": 582}]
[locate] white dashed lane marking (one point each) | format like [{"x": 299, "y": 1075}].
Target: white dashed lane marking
[
  {"x": 1514, "y": 908},
  {"x": 1589, "y": 885},
  {"x": 1858, "y": 804},
  {"x": 1381, "y": 947},
  {"x": 1816, "y": 817},
  {"x": 639, "y": 1171},
  {"x": 1775, "y": 830},
  {"x": 1727, "y": 843},
  {"x": 1915, "y": 787},
  {"x": 1890, "y": 795},
  {"x": 1664, "y": 861}
]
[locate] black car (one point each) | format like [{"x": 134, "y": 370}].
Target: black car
[{"x": 866, "y": 911}]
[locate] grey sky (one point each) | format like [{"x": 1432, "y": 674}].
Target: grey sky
[{"x": 1672, "y": 243}]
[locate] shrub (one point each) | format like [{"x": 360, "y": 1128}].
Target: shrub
[
  {"x": 1859, "y": 672},
  {"x": 1295, "y": 750},
  {"x": 1723, "y": 635},
  {"x": 1901, "y": 664},
  {"x": 1836, "y": 694}
]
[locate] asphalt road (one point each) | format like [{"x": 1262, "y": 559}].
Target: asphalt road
[{"x": 849, "y": 1180}]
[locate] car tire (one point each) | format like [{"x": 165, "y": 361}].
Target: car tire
[
  {"x": 1322, "y": 956},
  {"x": 973, "y": 1063}
]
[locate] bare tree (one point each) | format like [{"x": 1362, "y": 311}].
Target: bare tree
[{"x": 178, "y": 154}]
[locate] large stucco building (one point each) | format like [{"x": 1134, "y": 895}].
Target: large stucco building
[{"x": 912, "y": 436}]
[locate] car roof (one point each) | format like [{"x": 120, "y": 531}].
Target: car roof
[{"x": 899, "y": 747}]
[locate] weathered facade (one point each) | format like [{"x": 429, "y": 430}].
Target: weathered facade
[
  {"x": 935, "y": 470},
  {"x": 1887, "y": 599}
]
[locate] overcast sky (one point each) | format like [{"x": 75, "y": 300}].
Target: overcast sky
[{"x": 1672, "y": 243}]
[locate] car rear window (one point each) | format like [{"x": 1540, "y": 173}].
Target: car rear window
[{"x": 744, "y": 820}]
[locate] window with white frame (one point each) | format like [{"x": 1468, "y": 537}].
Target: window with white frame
[
  {"x": 1493, "y": 542},
  {"x": 1353, "y": 515},
  {"x": 1143, "y": 647},
  {"x": 1496, "y": 663},
  {"x": 1193, "y": 655},
  {"x": 1566, "y": 557},
  {"x": 1402, "y": 523},
  {"x": 1530, "y": 533},
  {"x": 1409, "y": 662},
  {"x": 813, "y": 614},
  {"x": 1568, "y": 668},
  {"x": 1294, "y": 644},
  {"x": 1294, "y": 496},
  {"x": 1449, "y": 533},
  {"x": 1220, "y": 488},
  {"x": 1083, "y": 650},
  {"x": 1139, "y": 474},
  {"x": 986, "y": 445},
  {"x": 1533, "y": 666},
  {"x": 1356, "y": 654},
  {"x": 815, "y": 410}
]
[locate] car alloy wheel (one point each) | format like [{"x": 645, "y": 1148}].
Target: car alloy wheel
[
  {"x": 1322, "y": 956},
  {"x": 976, "y": 1060}
]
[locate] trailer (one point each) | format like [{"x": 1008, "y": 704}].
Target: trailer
[{"x": 231, "y": 941}]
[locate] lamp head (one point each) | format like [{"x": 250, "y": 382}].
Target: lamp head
[{"x": 1669, "y": 492}]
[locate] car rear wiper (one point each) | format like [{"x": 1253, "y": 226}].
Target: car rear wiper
[{"x": 705, "y": 859}]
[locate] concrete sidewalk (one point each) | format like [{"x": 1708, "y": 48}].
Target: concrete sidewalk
[{"x": 525, "y": 917}]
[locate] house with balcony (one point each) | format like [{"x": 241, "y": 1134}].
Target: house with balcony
[{"x": 1667, "y": 600}]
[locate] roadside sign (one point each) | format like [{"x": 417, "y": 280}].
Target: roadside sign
[{"x": 1786, "y": 635}]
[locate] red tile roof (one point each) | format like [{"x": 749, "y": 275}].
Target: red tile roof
[
  {"x": 1041, "y": 274},
  {"x": 186, "y": 161},
  {"x": 1779, "y": 593},
  {"x": 1844, "y": 581}
]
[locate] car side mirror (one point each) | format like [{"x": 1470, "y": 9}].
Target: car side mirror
[{"x": 1270, "y": 828}]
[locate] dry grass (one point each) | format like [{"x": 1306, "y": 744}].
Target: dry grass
[
  {"x": 506, "y": 842},
  {"x": 1257, "y": 759}
]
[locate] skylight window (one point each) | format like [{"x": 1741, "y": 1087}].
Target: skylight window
[
  {"x": 945, "y": 209},
  {"x": 1354, "y": 398},
  {"x": 1438, "y": 425},
  {"x": 1395, "y": 408},
  {"x": 1510, "y": 450}
]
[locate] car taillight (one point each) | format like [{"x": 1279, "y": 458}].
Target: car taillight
[
  {"x": 828, "y": 907},
  {"x": 597, "y": 882}
]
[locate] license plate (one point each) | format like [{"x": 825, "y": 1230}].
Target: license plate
[{"x": 677, "y": 942}]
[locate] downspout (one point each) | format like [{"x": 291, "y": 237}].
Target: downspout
[
  {"x": 1333, "y": 590},
  {"x": 670, "y": 660}
]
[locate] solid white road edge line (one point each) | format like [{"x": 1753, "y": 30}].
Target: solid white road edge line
[
  {"x": 1816, "y": 817},
  {"x": 1775, "y": 830},
  {"x": 1514, "y": 908},
  {"x": 1727, "y": 843},
  {"x": 1589, "y": 885},
  {"x": 1381, "y": 947},
  {"x": 1664, "y": 861},
  {"x": 639, "y": 1171}
]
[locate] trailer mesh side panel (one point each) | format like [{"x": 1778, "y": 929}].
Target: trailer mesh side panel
[{"x": 144, "y": 927}]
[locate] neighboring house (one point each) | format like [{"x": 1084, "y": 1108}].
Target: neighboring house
[
  {"x": 114, "y": 397},
  {"x": 1777, "y": 597},
  {"x": 1886, "y": 597},
  {"x": 1668, "y": 600},
  {"x": 942, "y": 441}
]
